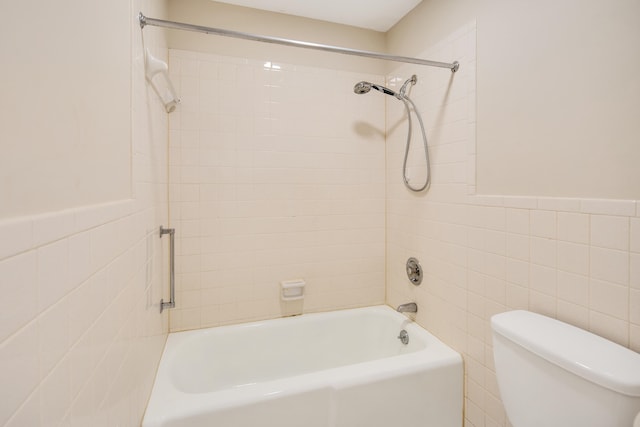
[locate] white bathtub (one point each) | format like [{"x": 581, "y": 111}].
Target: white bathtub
[{"x": 344, "y": 368}]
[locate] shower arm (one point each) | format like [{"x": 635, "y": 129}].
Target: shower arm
[{"x": 144, "y": 21}]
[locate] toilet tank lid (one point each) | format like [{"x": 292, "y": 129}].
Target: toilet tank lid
[{"x": 587, "y": 355}]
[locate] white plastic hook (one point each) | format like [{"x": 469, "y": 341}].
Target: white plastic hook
[{"x": 153, "y": 67}]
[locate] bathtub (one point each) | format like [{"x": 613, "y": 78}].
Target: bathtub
[{"x": 339, "y": 369}]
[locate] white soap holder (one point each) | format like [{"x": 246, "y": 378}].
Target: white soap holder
[{"x": 292, "y": 290}]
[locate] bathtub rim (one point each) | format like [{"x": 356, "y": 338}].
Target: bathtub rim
[{"x": 438, "y": 355}]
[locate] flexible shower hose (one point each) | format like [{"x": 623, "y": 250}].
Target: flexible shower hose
[{"x": 427, "y": 181}]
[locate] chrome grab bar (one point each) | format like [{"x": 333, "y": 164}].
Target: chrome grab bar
[{"x": 172, "y": 272}]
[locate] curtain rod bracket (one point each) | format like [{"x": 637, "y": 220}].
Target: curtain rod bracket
[{"x": 453, "y": 66}]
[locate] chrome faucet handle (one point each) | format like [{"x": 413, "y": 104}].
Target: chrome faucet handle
[{"x": 414, "y": 271}]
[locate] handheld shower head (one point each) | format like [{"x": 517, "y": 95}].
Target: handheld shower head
[{"x": 364, "y": 87}]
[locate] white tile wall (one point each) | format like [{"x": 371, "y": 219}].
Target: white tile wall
[
  {"x": 635, "y": 235},
  {"x": 67, "y": 334},
  {"x": 277, "y": 173},
  {"x": 574, "y": 259},
  {"x": 80, "y": 330},
  {"x": 610, "y": 232},
  {"x": 573, "y": 227}
]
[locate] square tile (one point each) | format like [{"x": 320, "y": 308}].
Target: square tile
[
  {"x": 610, "y": 232},
  {"x": 543, "y": 224},
  {"x": 573, "y": 258},
  {"x": 609, "y": 265},
  {"x": 610, "y": 299},
  {"x": 573, "y": 227}
]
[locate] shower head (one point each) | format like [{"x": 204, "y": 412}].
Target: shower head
[{"x": 364, "y": 87}]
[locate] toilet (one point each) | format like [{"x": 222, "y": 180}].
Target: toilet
[{"x": 551, "y": 374}]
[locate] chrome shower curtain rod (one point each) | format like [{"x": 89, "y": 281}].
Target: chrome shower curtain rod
[{"x": 144, "y": 20}]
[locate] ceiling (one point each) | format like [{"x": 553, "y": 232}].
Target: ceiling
[{"x": 378, "y": 15}]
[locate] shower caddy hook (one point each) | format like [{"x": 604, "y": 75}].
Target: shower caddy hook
[{"x": 172, "y": 272}]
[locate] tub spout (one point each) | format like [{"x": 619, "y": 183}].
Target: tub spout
[{"x": 410, "y": 307}]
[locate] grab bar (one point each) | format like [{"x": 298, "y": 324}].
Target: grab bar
[{"x": 172, "y": 272}]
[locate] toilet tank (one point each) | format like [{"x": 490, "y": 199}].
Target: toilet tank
[{"x": 556, "y": 375}]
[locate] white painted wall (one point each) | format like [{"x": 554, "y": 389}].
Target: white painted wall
[
  {"x": 66, "y": 122},
  {"x": 558, "y": 92}
]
